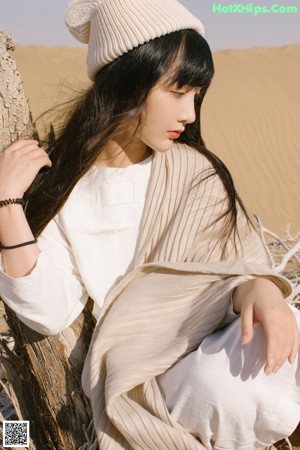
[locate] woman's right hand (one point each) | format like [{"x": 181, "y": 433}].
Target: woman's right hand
[{"x": 19, "y": 165}]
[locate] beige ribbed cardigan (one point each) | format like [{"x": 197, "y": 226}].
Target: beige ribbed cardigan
[{"x": 176, "y": 295}]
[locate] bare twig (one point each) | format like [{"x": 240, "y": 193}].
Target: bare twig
[{"x": 287, "y": 249}]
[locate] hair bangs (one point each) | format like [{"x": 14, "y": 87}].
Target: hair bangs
[{"x": 193, "y": 65}]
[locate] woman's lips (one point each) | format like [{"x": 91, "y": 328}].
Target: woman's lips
[{"x": 174, "y": 134}]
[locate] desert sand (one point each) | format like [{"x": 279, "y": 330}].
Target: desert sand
[{"x": 250, "y": 118}]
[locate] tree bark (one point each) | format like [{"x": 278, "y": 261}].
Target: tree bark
[
  {"x": 15, "y": 120},
  {"x": 45, "y": 376},
  {"x": 43, "y": 373}
]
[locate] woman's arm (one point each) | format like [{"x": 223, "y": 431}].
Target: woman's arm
[
  {"x": 52, "y": 295},
  {"x": 257, "y": 299},
  {"x": 260, "y": 300},
  {"x": 19, "y": 165},
  {"x": 44, "y": 288}
]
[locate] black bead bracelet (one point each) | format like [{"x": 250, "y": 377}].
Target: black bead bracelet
[{"x": 12, "y": 201}]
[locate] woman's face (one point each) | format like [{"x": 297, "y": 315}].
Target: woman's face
[{"x": 166, "y": 112}]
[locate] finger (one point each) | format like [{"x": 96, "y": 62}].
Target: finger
[
  {"x": 35, "y": 152},
  {"x": 16, "y": 152},
  {"x": 278, "y": 349},
  {"x": 32, "y": 153},
  {"x": 295, "y": 349},
  {"x": 22, "y": 143},
  {"x": 43, "y": 161},
  {"x": 32, "y": 165},
  {"x": 287, "y": 344},
  {"x": 27, "y": 148},
  {"x": 247, "y": 322},
  {"x": 273, "y": 342},
  {"x": 270, "y": 365}
]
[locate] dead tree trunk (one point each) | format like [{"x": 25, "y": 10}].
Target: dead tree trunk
[
  {"x": 43, "y": 374},
  {"x": 15, "y": 118}
]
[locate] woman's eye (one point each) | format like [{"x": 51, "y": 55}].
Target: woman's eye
[{"x": 178, "y": 93}]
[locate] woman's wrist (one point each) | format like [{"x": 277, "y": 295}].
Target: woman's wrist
[
  {"x": 256, "y": 288},
  {"x": 8, "y": 212},
  {"x": 13, "y": 225}
]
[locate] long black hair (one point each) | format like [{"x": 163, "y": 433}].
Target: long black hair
[{"x": 119, "y": 92}]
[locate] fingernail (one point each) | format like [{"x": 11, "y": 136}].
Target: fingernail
[
  {"x": 243, "y": 339},
  {"x": 268, "y": 370},
  {"x": 293, "y": 359},
  {"x": 276, "y": 369}
]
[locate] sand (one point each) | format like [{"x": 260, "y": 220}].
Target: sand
[{"x": 251, "y": 118}]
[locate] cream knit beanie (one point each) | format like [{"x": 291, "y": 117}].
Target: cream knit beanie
[{"x": 113, "y": 27}]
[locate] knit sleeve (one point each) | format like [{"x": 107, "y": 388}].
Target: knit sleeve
[
  {"x": 215, "y": 240},
  {"x": 51, "y": 297},
  {"x": 217, "y": 236}
]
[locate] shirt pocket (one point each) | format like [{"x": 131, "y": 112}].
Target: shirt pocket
[{"x": 121, "y": 194}]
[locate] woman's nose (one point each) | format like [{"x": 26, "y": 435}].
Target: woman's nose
[{"x": 188, "y": 113}]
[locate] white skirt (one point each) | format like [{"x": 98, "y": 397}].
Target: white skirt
[{"x": 221, "y": 394}]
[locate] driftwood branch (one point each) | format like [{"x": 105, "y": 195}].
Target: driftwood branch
[
  {"x": 284, "y": 256},
  {"x": 290, "y": 252}
]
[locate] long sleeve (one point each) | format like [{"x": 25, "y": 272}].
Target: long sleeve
[{"x": 51, "y": 297}]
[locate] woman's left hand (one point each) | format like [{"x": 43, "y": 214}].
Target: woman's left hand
[{"x": 260, "y": 300}]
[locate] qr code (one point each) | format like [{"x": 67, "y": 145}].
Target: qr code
[{"x": 15, "y": 433}]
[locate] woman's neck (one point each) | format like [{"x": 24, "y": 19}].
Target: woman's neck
[{"x": 115, "y": 154}]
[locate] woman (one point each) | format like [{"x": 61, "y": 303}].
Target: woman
[{"x": 154, "y": 232}]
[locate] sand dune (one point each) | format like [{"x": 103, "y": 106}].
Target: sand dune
[{"x": 251, "y": 118}]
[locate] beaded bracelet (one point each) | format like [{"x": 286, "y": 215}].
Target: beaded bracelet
[
  {"x": 11, "y": 201},
  {"x": 9, "y": 247}
]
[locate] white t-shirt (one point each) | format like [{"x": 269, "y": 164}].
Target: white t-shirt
[{"x": 105, "y": 233}]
